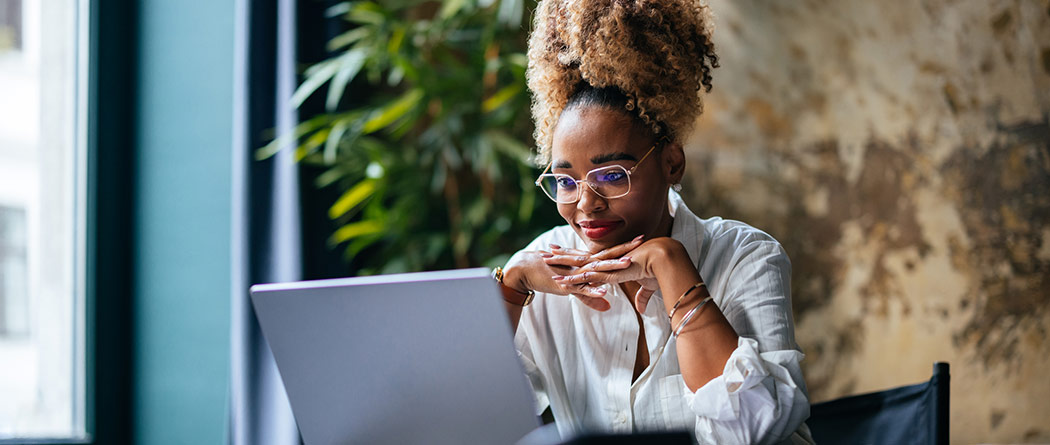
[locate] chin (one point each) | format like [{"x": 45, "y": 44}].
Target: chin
[{"x": 595, "y": 245}]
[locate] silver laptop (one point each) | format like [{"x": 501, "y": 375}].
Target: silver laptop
[{"x": 411, "y": 358}]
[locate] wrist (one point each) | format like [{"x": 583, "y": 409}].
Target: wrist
[
  {"x": 680, "y": 306},
  {"x": 676, "y": 274},
  {"x": 511, "y": 287},
  {"x": 666, "y": 253},
  {"x": 512, "y": 280}
]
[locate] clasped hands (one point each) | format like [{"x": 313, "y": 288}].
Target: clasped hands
[{"x": 566, "y": 271}]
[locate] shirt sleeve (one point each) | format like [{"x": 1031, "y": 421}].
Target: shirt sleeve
[
  {"x": 755, "y": 400},
  {"x": 535, "y": 376},
  {"x": 523, "y": 342},
  {"x": 761, "y": 396}
]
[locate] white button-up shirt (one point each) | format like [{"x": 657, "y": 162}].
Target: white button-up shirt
[{"x": 580, "y": 362}]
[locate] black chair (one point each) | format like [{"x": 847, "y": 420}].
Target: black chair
[{"x": 916, "y": 414}]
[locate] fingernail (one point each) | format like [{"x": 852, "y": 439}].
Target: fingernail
[
  {"x": 547, "y": 255},
  {"x": 638, "y": 237},
  {"x": 555, "y": 246},
  {"x": 625, "y": 259},
  {"x": 557, "y": 277}
]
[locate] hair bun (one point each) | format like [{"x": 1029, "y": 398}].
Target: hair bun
[{"x": 658, "y": 52}]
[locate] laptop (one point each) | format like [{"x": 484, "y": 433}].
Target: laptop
[{"x": 410, "y": 358}]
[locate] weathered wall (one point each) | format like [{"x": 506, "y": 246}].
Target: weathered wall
[{"x": 900, "y": 150}]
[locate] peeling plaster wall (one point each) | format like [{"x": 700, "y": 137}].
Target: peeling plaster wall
[{"x": 900, "y": 150}]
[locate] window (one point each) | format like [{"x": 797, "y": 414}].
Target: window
[
  {"x": 10, "y": 25},
  {"x": 41, "y": 220}
]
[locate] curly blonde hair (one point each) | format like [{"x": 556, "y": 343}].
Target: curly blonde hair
[{"x": 658, "y": 53}]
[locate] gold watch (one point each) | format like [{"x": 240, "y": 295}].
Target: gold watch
[{"x": 497, "y": 274}]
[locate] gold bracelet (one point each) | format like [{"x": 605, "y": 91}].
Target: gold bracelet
[
  {"x": 675, "y": 307},
  {"x": 497, "y": 274}
]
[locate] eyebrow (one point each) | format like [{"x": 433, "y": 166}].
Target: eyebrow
[{"x": 601, "y": 159}]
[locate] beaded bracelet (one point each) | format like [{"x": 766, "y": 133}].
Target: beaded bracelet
[
  {"x": 675, "y": 307},
  {"x": 689, "y": 315}
]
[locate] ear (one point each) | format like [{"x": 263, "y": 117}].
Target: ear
[{"x": 674, "y": 162}]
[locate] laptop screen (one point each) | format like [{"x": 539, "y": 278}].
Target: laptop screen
[{"x": 410, "y": 358}]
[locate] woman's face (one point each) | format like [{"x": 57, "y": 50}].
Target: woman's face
[{"x": 590, "y": 137}]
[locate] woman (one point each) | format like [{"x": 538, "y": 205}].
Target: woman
[{"x": 637, "y": 315}]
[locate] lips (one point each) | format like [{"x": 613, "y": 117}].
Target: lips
[{"x": 596, "y": 229}]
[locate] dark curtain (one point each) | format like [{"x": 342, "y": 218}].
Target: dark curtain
[
  {"x": 266, "y": 224},
  {"x": 280, "y": 225}
]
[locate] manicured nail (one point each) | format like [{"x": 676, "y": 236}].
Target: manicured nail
[
  {"x": 625, "y": 259},
  {"x": 555, "y": 246},
  {"x": 638, "y": 237},
  {"x": 558, "y": 277},
  {"x": 547, "y": 255}
]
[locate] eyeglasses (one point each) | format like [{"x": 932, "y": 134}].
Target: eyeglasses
[{"x": 608, "y": 182}]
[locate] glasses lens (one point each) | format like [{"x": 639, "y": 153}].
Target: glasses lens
[
  {"x": 610, "y": 182},
  {"x": 560, "y": 188}
]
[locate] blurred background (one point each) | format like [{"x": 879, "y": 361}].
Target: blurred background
[{"x": 157, "y": 158}]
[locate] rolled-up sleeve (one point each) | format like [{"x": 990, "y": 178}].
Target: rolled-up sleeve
[
  {"x": 756, "y": 399},
  {"x": 761, "y": 396}
]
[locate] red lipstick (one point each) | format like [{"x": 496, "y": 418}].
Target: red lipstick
[{"x": 598, "y": 228}]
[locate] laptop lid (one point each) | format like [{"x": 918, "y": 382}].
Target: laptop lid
[{"x": 409, "y": 358}]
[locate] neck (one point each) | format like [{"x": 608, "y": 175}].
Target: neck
[{"x": 663, "y": 228}]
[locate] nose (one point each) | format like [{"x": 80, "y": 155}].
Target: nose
[{"x": 590, "y": 201}]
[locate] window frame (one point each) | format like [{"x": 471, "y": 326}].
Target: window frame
[
  {"x": 110, "y": 135},
  {"x": 106, "y": 51}
]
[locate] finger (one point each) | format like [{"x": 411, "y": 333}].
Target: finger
[
  {"x": 607, "y": 265},
  {"x": 567, "y": 260},
  {"x": 596, "y": 303},
  {"x": 620, "y": 250},
  {"x": 568, "y": 251},
  {"x": 588, "y": 289},
  {"x": 641, "y": 299},
  {"x": 583, "y": 278}
]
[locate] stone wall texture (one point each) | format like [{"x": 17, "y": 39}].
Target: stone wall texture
[{"x": 900, "y": 150}]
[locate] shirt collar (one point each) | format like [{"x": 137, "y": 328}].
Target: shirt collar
[{"x": 686, "y": 228}]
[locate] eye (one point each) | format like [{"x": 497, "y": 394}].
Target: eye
[
  {"x": 614, "y": 175},
  {"x": 565, "y": 182}
]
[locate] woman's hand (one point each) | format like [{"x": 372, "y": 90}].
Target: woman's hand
[
  {"x": 528, "y": 270},
  {"x": 645, "y": 259}
]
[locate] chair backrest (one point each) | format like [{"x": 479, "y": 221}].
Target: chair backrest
[{"x": 916, "y": 414}]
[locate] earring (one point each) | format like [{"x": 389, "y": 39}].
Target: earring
[{"x": 677, "y": 187}]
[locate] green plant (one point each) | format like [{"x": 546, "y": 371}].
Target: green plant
[{"x": 430, "y": 161}]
